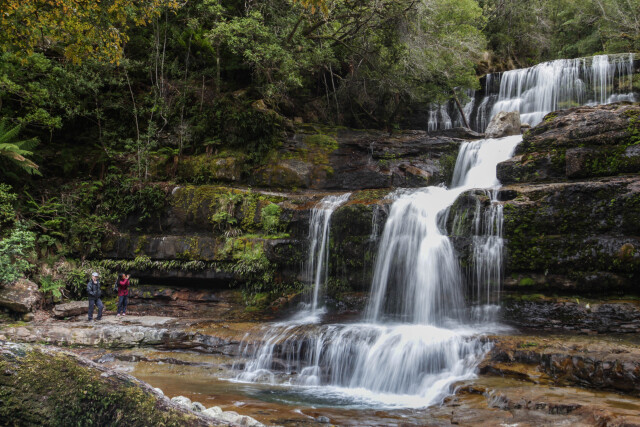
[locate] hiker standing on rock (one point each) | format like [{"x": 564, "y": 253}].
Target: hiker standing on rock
[
  {"x": 123, "y": 294},
  {"x": 94, "y": 292}
]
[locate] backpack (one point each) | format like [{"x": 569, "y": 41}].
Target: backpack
[{"x": 115, "y": 286}]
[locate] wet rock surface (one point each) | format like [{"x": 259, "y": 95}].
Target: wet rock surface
[
  {"x": 583, "y": 317},
  {"x": 575, "y": 238},
  {"x": 566, "y": 360},
  {"x": 504, "y": 124},
  {"x": 516, "y": 394},
  {"x": 131, "y": 331}
]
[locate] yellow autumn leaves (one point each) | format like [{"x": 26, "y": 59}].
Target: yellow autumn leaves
[{"x": 78, "y": 29}]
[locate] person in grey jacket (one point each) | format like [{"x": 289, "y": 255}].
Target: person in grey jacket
[{"x": 94, "y": 292}]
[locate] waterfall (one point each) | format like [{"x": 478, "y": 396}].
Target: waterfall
[
  {"x": 439, "y": 118},
  {"x": 564, "y": 83},
  {"x": 549, "y": 86},
  {"x": 417, "y": 339},
  {"x": 317, "y": 265}
]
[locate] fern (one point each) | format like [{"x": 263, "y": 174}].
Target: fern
[{"x": 16, "y": 152}]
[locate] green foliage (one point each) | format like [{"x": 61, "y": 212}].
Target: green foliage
[
  {"x": 51, "y": 288},
  {"x": 526, "y": 32},
  {"x": 7, "y": 210},
  {"x": 323, "y": 141},
  {"x": 81, "y": 217},
  {"x": 634, "y": 128},
  {"x": 270, "y": 217},
  {"x": 15, "y": 251},
  {"x": 14, "y": 152}
]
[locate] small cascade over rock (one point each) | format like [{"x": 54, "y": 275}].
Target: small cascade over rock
[
  {"x": 541, "y": 89},
  {"x": 418, "y": 337},
  {"x": 316, "y": 267}
]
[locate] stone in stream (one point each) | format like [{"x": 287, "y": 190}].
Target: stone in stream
[
  {"x": 504, "y": 124},
  {"x": 243, "y": 420},
  {"x": 214, "y": 412},
  {"x": 181, "y": 400},
  {"x": 197, "y": 407}
]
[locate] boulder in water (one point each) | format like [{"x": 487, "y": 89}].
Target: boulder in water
[
  {"x": 235, "y": 418},
  {"x": 504, "y": 124}
]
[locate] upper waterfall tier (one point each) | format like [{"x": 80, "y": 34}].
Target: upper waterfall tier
[{"x": 543, "y": 88}]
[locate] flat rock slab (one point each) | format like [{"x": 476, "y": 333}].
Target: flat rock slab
[
  {"x": 134, "y": 331},
  {"x": 70, "y": 309}
]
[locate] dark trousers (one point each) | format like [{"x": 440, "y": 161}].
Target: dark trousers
[
  {"x": 123, "y": 301},
  {"x": 93, "y": 302}
]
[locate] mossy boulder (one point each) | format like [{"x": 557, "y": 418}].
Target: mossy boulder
[{"x": 45, "y": 386}]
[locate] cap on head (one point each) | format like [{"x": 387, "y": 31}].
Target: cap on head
[{"x": 94, "y": 274}]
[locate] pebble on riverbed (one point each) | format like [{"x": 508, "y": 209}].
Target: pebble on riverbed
[
  {"x": 198, "y": 407},
  {"x": 217, "y": 413}
]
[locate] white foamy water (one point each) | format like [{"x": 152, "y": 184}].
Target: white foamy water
[
  {"x": 564, "y": 83},
  {"x": 549, "y": 86},
  {"x": 418, "y": 338}
]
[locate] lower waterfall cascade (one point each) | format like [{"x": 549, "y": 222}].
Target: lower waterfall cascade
[{"x": 418, "y": 335}]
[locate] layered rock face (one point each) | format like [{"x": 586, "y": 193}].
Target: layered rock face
[
  {"x": 580, "y": 228},
  {"x": 335, "y": 159},
  {"x": 579, "y": 143}
]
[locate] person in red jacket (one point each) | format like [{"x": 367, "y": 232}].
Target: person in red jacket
[{"x": 123, "y": 295}]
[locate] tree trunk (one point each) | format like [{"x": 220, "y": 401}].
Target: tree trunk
[{"x": 464, "y": 117}]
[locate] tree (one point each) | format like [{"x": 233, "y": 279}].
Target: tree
[{"x": 81, "y": 29}]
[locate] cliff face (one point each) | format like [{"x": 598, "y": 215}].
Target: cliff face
[
  {"x": 571, "y": 204},
  {"x": 574, "y": 217}
]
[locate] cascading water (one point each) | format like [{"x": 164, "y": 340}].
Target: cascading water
[
  {"x": 543, "y": 88},
  {"x": 417, "y": 339},
  {"x": 316, "y": 268},
  {"x": 550, "y": 86}
]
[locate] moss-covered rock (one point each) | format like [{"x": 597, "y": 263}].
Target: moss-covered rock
[
  {"x": 43, "y": 386},
  {"x": 581, "y": 142},
  {"x": 227, "y": 166}
]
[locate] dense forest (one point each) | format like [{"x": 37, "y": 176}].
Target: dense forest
[{"x": 101, "y": 102}]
